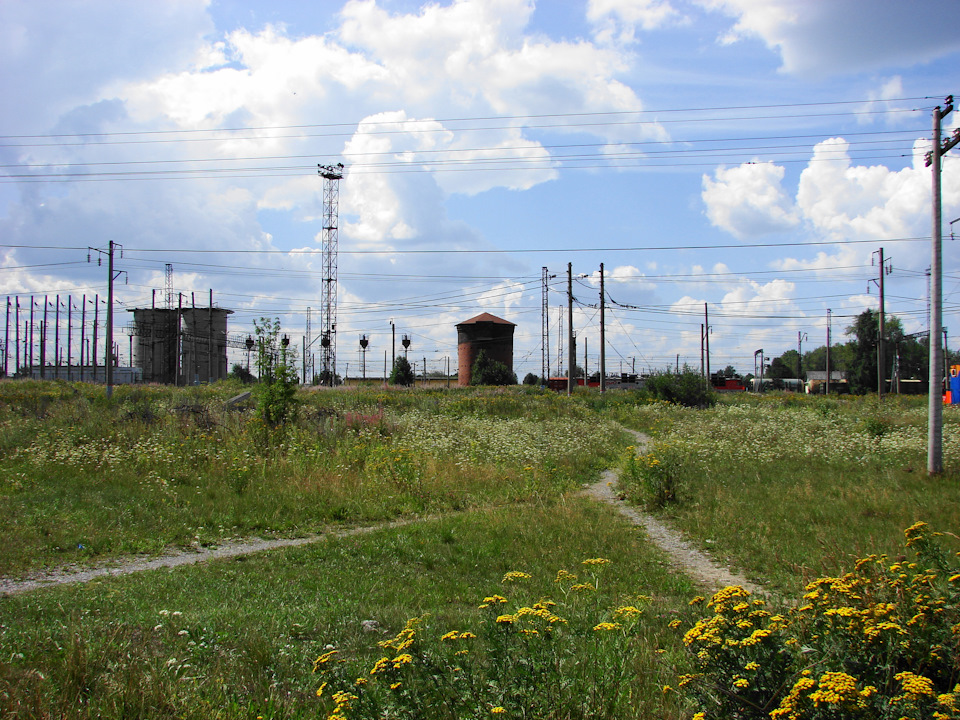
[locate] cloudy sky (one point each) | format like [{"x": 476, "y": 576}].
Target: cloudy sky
[{"x": 750, "y": 155}]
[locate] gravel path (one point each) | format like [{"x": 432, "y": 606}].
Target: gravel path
[
  {"x": 697, "y": 565},
  {"x": 128, "y": 566},
  {"x": 693, "y": 562}
]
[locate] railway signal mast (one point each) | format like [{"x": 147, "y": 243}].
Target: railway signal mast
[{"x": 331, "y": 174}]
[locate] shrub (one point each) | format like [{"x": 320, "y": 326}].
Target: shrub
[
  {"x": 654, "y": 477},
  {"x": 531, "y": 379},
  {"x": 276, "y": 391},
  {"x": 686, "y": 388},
  {"x": 882, "y": 641},
  {"x": 402, "y": 373},
  {"x": 239, "y": 372},
  {"x": 487, "y": 371}
]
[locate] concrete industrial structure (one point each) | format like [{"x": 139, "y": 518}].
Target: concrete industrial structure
[
  {"x": 182, "y": 346},
  {"x": 483, "y": 332}
]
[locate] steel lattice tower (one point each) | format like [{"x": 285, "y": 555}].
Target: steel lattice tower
[
  {"x": 168, "y": 286},
  {"x": 545, "y": 333},
  {"x": 331, "y": 174}
]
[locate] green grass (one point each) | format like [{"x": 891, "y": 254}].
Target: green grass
[
  {"x": 789, "y": 488},
  {"x": 237, "y": 638},
  {"x": 84, "y": 479},
  {"x": 785, "y": 488}
]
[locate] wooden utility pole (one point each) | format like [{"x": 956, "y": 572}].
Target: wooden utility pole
[{"x": 935, "y": 378}]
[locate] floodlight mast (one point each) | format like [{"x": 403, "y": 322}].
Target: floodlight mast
[{"x": 331, "y": 174}]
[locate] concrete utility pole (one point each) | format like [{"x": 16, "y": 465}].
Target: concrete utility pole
[
  {"x": 43, "y": 338},
  {"x": 706, "y": 335},
  {"x": 935, "y": 379},
  {"x": 30, "y": 362},
  {"x": 109, "y": 354},
  {"x": 801, "y": 336},
  {"x": 881, "y": 354},
  {"x": 829, "y": 313},
  {"x": 603, "y": 335},
  {"x": 571, "y": 358}
]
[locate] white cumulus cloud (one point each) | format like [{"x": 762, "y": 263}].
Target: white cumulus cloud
[
  {"x": 844, "y": 36},
  {"x": 748, "y": 200}
]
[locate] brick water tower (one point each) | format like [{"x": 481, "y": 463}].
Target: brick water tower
[{"x": 483, "y": 332}]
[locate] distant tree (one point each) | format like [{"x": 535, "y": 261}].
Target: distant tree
[
  {"x": 779, "y": 370},
  {"x": 866, "y": 330},
  {"x": 729, "y": 371},
  {"x": 402, "y": 373},
  {"x": 531, "y": 379},
  {"x": 841, "y": 357},
  {"x": 788, "y": 361},
  {"x": 239, "y": 372},
  {"x": 487, "y": 371}
]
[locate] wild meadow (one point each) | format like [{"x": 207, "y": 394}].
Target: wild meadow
[
  {"x": 787, "y": 488},
  {"x": 509, "y": 594}
]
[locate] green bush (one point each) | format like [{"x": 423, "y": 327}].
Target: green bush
[
  {"x": 487, "y": 371},
  {"x": 402, "y": 373},
  {"x": 653, "y": 478},
  {"x": 685, "y": 388}
]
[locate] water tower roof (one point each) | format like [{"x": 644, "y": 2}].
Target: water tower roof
[{"x": 486, "y": 318}]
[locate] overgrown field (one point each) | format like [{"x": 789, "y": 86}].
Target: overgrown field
[
  {"x": 511, "y": 596},
  {"x": 84, "y": 478},
  {"x": 789, "y": 488}
]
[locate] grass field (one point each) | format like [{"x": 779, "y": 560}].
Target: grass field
[
  {"x": 784, "y": 488},
  {"x": 790, "y": 488}
]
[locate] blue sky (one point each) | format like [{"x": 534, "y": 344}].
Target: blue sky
[{"x": 751, "y": 155}]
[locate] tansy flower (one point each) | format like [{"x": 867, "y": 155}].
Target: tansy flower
[
  {"x": 604, "y": 626},
  {"x": 515, "y": 575}
]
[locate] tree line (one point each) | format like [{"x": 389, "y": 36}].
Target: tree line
[{"x": 859, "y": 358}]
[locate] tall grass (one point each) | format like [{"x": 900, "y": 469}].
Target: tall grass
[
  {"x": 238, "y": 639},
  {"x": 85, "y": 478},
  {"x": 790, "y": 488}
]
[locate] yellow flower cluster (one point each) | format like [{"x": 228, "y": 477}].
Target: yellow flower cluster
[
  {"x": 323, "y": 659},
  {"x": 405, "y": 637},
  {"x": 879, "y": 618},
  {"x": 493, "y": 600},
  {"x": 606, "y": 627},
  {"x": 515, "y": 575},
  {"x": 914, "y": 686}
]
